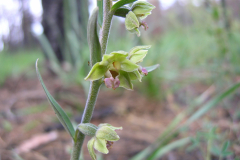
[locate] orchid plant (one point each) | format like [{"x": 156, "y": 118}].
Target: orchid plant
[{"x": 117, "y": 69}]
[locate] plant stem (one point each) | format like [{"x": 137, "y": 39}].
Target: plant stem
[
  {"x": 94, "y": 85},
  {"x": 87, "y": 115},
  {"x": 107, "y": 20}
]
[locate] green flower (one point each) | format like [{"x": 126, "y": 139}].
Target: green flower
[
  {"x": 132, "y": 23},
  {"x": 139, "y": 11},
  {"x": 142, "y": 9},
  {"x": 119, "y": 68},
  {"x": 102, "y": 139}
]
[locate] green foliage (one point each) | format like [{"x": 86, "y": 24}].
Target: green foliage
[
  {"x": 121, "y": 3},
  {"x": 15, "y": 63},
  {"x": 100, "y": 14},
  {"x": 156, "y": 149},
  {"x": 63, "y": 118}
]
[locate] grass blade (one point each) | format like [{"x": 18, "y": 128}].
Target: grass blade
[
  {"x": 63, "y": 118},
  {"x": 176, "y": 144},
  {"x": 211, "y": 104}
]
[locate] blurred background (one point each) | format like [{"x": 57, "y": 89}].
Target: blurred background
[{"x": 189, "y": 108}]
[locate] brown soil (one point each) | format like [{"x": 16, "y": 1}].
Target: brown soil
[{"x": 142, "y": 119}]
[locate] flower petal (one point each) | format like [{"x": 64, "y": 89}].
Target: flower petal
[
  {"x": 135, "y": 75},
  {"x": 128, "y": 66},
  {"x": 96, "y": 72},
  {"x": 113, "y": 56},
  {"x": 107, "y": 133},
  {"x": 90, "y": 148},
  {"x": 109, "y": 125},
  {"x": 138, "y": 56},
  {"x": 141, "y": 9},
  {"x": 125, "y": 80},
  {"x": 101, "y": 145},
  {"x": 138, "y": 48},
  {"x": 152, "y": 68}
]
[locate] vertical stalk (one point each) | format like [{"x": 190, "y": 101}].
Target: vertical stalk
[
  {"x": 87, "y": 115},
  {"x": 107, "y": 19},
  {"x": 94, "y": 58}
]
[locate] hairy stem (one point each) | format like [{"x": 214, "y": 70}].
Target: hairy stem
[
  {"x": 107, "y": 20},
  {"x": 87, "y": 115},
  {"x": 95, "y": 85}
]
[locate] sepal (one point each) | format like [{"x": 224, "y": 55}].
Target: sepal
[
  {"x": 125, "y": 80},
  {"x": 142, "y": 9},
  {"x": 96, "y": 72}
]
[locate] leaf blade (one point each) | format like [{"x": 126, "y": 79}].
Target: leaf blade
[
  {"x": 121, "y": 3},
  {"x": 62, "y": 116},
  {"x": 100, "y": 12}
]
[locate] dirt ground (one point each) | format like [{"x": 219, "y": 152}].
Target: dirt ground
[{"x": 30, "y": 129}]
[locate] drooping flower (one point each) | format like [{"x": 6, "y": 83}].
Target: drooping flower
[
  {"x": 139, "y": 11},
  {"x": 142, "y": 9},
  {"x": 102, "y": 139},
  {"x": 120, "y": 68}
]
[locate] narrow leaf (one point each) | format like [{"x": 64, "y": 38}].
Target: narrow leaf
[
  {"x": 100, "y": 12},
  {"x": 212, "y": 103},
  {"x": 62, "y": 116},
  {"x": 225, "y": 146},
  {"x": 121, "y": 3},
  {"x": 173, "y": 145}
]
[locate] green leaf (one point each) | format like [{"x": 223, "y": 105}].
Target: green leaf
[
  {"x": 122, "y": 12},
  {"x": 121, "y": 3},
  {"x": 152, "y": 68},
  {"x": 227, "y": 153},
  {"x": 96, "y": 72},
  {"x": 93, "y": 41},
  {"x": 171, "y": 146},
  {"x": 91, "y": 149},
  {"x": 100, "y": 145},
  {"x": 212, "y": 103},
  {"x": 100, "y": 14},
  {"x": 225, "y": 146},
  {"x": 125, "y": 80},
  {"x": 62, "y": 116},
  {"x": 138, "y": 56}
]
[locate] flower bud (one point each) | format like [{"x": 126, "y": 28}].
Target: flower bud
[
  {"x": 103, "y": 139},
  {"x": 87, "y": 129}
]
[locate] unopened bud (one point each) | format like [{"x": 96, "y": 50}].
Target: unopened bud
[{"x": 87, "y": 129}]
